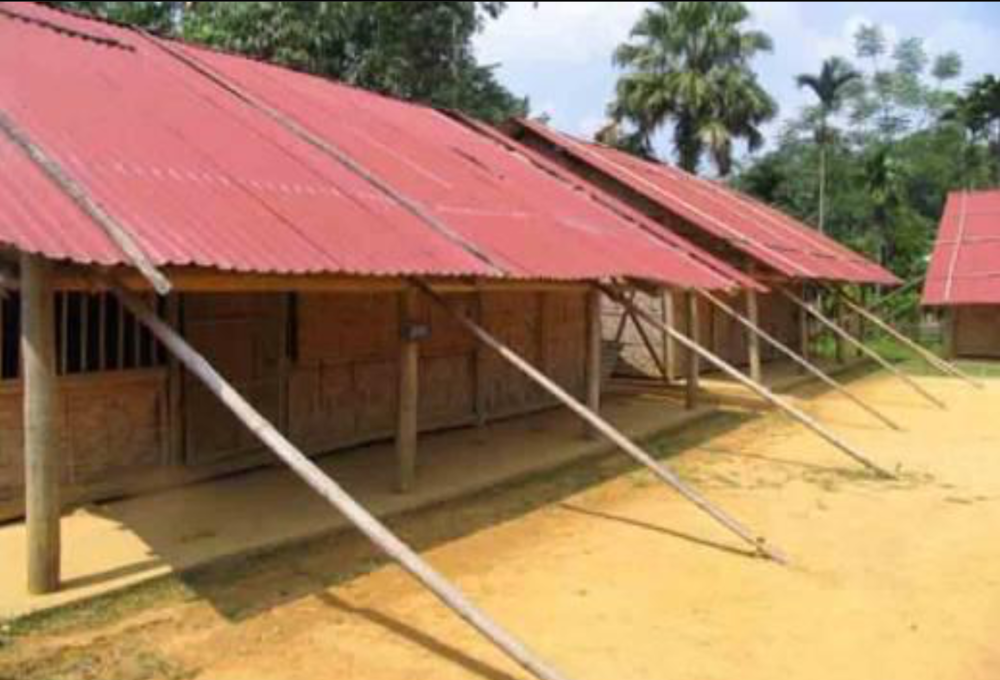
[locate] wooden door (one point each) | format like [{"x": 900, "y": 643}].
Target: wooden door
[{"x": 242, "y": 336}]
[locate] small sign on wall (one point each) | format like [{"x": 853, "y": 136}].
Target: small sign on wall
[{"x": 415, "y": 332}]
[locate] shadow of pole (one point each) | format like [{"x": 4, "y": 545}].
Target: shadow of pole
[
  {"x": 639, "y": 524},
  {"x": 442, "y": 649}
]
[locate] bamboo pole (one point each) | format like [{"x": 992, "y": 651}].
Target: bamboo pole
[
  {"x": 768, "y": 395},
  {"x": 326, "y": 487},
  {"x": 804, "y": 363},
  {"x": 667, "y": 343},
  {"x": 692, "y": 386},
  {"x": 595, "y": 337},
  {"x": 42, "y": 464},
  {"x": 609, "y": 431},
  {"x": 118, "y": 233},
  {"x": 869, "y": 352},
  {"x": 938, "y": 363},
  {"x": 409, "y": 388}
]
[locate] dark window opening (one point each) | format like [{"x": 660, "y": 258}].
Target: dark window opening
[{"x": 93, "y": 334}]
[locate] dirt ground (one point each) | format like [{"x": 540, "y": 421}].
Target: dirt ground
[{"x": 609, "y": 575}]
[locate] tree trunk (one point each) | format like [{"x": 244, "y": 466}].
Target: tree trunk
[{"x": 822, "y": 187}]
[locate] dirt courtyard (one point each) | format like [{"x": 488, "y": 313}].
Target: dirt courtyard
[{"x": 608, "y": 575}]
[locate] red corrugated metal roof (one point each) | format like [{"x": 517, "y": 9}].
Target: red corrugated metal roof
[
  {"x": 965, "y": 265},
  {"x": 203, "y": 178},
  {"x": 759, "y": 231}
]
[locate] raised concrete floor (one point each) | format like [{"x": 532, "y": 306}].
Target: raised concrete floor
[{"x": 112, "y": 546}]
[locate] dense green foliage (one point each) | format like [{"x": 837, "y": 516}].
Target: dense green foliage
[
  {"x": 870, "y": 162},
  {"x": 687, "y": 65},
  {"x": 420, "y": 51},
  {"x": 897, "y": 138}
]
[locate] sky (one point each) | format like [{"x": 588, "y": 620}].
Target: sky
[{"x": 559, "y": 53}]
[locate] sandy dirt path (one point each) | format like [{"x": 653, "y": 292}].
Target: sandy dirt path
[{"x": 624, "y": 581}]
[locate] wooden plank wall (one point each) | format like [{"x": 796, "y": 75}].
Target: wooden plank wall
[
  {"x": 976, "y": 332},
  {"x": 339, "y": 391}
]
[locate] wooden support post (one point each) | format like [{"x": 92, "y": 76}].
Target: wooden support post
[
  {"x": 949, "y": 322},
  {"x": 693, "y": 360},
  {"x": 334, "y": 494},
  {"x": 753, "y": 339},
  {"x": 936, "y": 362},
  {"x": 764, "y": 392},
  {"x": 800, "y": 361},
  {"x": 839, "y": 344},
  {"x": 604, "y": 427},
  {"x": 805, "y": 340},
  {"x": 175, "y": 389},
  {"x": 869, "y": 352},
  {"x": 479, "y": 359},
  {"x": 595, "y": 339},
  {"x": 669, "y": 347},
  {"x": 42, "y": 464},
  {"x": 409, "y": 389}
]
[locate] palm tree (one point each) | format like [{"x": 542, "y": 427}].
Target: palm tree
[
  {"x": 688, "y": 64},
  {"x": 829, "y": 87}
]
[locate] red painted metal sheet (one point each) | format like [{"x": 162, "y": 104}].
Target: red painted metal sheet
[
  {"x": 202, "y": 178},
  {"x": 965, "y": 264},
  {"x": 767, "y": 235},
  {"x": 197, "y": 180}
]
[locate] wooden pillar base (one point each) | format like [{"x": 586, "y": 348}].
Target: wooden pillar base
[
  {"x": 693, "y": 360},
  {"x": 594, "y": 368},
  {"x": 753, "y": 340},
  {"x": 409, "y": 389},
  {"x": 41, "y": 446}
]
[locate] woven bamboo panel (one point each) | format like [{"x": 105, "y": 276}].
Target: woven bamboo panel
[
  {"x": 117, "y": 431},
  {"x": 347, "y": 328},
  {"x": 565, "y": 347},
  {"x": 515, "y": 319},
  {"x": 11, "y": 447}
]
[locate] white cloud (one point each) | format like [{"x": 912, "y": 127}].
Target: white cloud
[
  {"x": 560, "y": 53},
  {"x": 566, "y": 32}
]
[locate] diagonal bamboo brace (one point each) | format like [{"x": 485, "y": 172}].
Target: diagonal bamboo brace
[
  {"x": 942, "y": 366},
  {"x": 604, "y": 427},
  {"x": 761, "y": 390},
  {"x": 868, "y": 351},
  {"x": 801, "y": 361},
  {"x": 334, "y": 494}
]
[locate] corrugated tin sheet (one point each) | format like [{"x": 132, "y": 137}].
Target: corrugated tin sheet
[
  {"x": 965, "y": 265},
  {"x": 767, "y": 235},
  {"x": 202, "y": 178}
]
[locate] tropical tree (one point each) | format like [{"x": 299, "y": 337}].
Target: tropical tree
[
  {"x": 420, "y": 51},
  {"x": 688, "y": 65},
  {"x": 978, "y": 110},
  {"x": 829, "y": 86}
]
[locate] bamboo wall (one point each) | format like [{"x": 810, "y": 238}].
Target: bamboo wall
[
  {"x": 718, "y": 332},
  {"x": 321, "y": 366}
]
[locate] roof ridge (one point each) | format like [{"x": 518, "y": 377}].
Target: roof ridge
[{"x": 105, "y": 41}]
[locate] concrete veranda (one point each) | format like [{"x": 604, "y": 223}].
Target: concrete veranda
[{"x": 112, "y": 546}]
